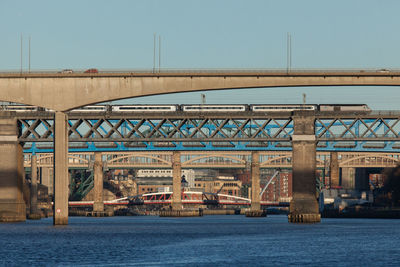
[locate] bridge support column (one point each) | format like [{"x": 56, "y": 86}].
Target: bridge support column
[
  {"x": 176, "y": 181},
  {"x": 177, "y": 208},
  {"x": 348, "y": 178},
  {"x": 255, "y": 208},
  {"x": 47, "y": 179},
  {"x": 304, "y": 205},
  {"x": 255, "y": 181},
  {"x": 61, "y": 177},
  {"x": 12, "y": 205},
  {"x": 98, "y": 205},
  {"x": 334, "y": 169},
  {"x": 34, "y": 211}
]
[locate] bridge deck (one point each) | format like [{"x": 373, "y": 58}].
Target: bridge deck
[{"x": 201, "y": 72}]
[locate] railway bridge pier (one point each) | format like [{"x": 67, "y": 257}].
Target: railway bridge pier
[
  {"x": 304, "y": 205},
  {"x": 12, "y": 205}
]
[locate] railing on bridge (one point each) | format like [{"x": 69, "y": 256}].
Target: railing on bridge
[{"x": 80, "y": 72}]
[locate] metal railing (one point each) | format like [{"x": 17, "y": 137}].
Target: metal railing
[{"x": 67, "y": 72}]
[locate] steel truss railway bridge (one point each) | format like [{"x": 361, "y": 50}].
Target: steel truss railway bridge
[
  {"x": 110, "y": 140},
  {"x": 248, "y": 131},
  {"x": 303, "y": 133},
  {"x": 211, "y": 140}
]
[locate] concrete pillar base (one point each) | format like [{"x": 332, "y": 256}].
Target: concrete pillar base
[
  {"x": 304, "y": 210},
  {"x": 221, "y": 212},
  {"x": 256, "y": 213},
  {"x": 181, "y": 213},
  {"x": 98, "y": 207},
  {"x": 100, "y": 214},
  {"x": 304, "y": 218},
  {"x": 34, "y": 216},
  {"x": 12, "y": 212},
  {"x": 177, "y": 206},
  {"x": 60, "y": 220},
  {"x": 255, "y": 206}
]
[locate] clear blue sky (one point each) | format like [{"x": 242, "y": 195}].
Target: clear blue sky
[{"x": 211, "y": 34}]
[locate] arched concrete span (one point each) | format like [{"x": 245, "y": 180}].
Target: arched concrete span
[{"x": 62, "y": 92}]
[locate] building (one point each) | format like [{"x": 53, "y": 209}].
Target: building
[
  {"x": 285, "y": 186},
  {"x": 222, "y": 186},
  {"x": 280, "y": 189},
  {"x": 245, "y": 177},
  {"x": 148, "y": 188},
  {"x": 376, "y": 180},
  {"x": 148, "y": 173}
]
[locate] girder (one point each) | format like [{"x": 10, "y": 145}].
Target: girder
[
  {"x": 367, "y": 132},
  {"x": 214, "y": 159}
]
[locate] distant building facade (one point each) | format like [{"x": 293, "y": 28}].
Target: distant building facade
[
  {"x": 223, "y": 186},
  {"x": 280, "y": 189},
  {"x": 189, "y": 174}
]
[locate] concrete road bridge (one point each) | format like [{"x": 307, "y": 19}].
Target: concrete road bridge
[
  {"x": 63, "y": 92},
  {"x": 66, "y": 91}
]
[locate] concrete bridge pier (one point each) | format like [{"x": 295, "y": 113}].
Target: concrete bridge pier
[
  {"x": 34, "y": 213},
  {"x": 334, "y": 169},
  {"x": 12, "y": 205},
  {"x": 46, "y": 177},
  {"x": 98, "y": 205},
  {"x": 255, "y": 208},
  {"x": 304, "y": 205},
  {"x": 177, "y": 208},
  {"x": 176, "y": 181},
  {"x": 61, "y": 177},
  {"x": 349, "y": 177}
]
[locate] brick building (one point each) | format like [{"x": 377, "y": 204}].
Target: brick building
[{"x": 280, "y": 189}]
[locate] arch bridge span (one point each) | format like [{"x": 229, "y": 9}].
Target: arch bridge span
[
  {"x": 199, "y": 160},
  {"x": 62, "y": 92}
]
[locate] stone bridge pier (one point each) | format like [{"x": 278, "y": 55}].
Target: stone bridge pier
[
  {"x": 12, "y": 205},
  {"x": 176, "y": 181},
  {"x": 334, "y": 169},
  {"x": 34, "y": 210},
  {"x": 255, "y": 208},
  {"x": 61, "y": 177},
  {"x": 304, "y": 205},
  {"x": 98, "y": 205}
]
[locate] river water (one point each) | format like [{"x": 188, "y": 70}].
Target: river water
[{"x": 201, "y": 241}]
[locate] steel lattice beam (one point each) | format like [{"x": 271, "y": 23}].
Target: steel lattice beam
[{"x": 216, "y": 131}]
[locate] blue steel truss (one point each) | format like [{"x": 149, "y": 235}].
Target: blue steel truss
[{"x": 212, "y": 132}]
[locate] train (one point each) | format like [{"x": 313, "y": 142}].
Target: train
[{"x": 201, "y": 108}]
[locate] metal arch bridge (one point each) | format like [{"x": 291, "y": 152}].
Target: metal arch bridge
[
  {"x": 112, "y": 131},
  {"x": 214, "y": 159},
  {"x": 188, "y": 197}
]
